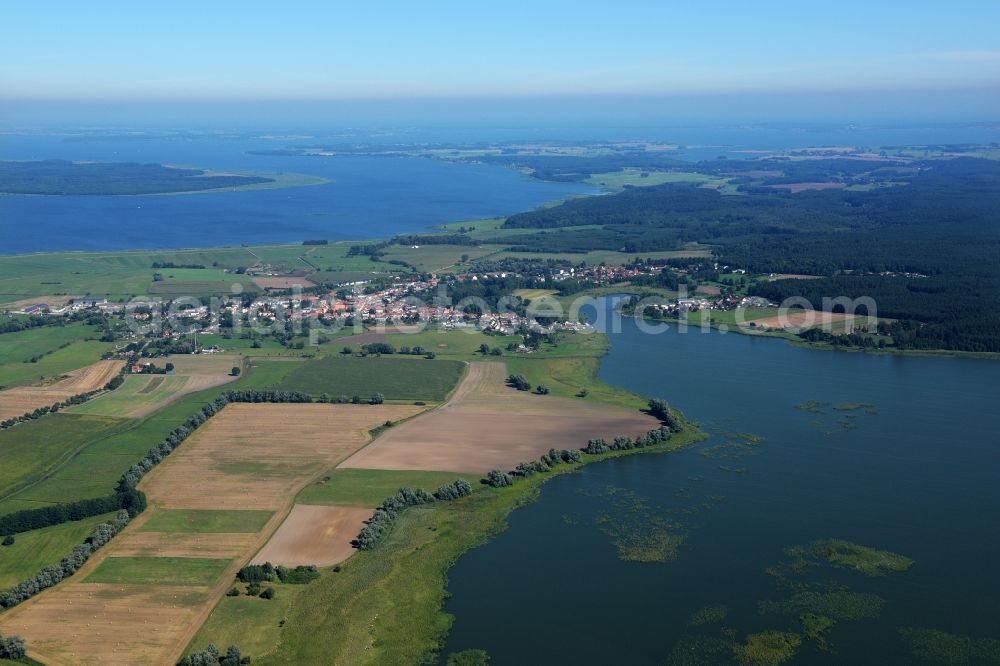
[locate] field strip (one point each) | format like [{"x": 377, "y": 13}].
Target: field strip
[
  {"x": 144, "y": 394},
  {"x": 319, "y": 535},
  {"x": 248, "y": 457},
  {"x": 21, "y": 400},
  {"x": 487, "y": 425}
]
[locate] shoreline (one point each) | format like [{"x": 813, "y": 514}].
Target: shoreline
[
  {"x": 456, "y": 528},
  {"x": 823, "y": 346}
]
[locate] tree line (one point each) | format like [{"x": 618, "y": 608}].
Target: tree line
[
  {"x": 211, "y": 656},
  {"x": 69, "y": 565},
  {"x": 77, "y": 399},
  {"x": 497, "y": 478},
  {"x": 385, "y": 515}
]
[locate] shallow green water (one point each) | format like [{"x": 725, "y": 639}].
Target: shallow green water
[{"x": 898, "y": 454}]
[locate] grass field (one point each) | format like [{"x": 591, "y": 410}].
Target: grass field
[
  {"x": 137, "y": 393},
  {"x": 105, "y": 456},
  {"x": 207, "y": 521},
  {"x": 462, "y": 342},
  {"x": 21, "y": 400},
  {"x": 368, "y": 487},
  {"x": 183, "y": 571},
  {"x": 124, "y": 274},
  {"x": 397, "y": 378},
  {"x": 250, "y": 622},
  {"x": 437, "y": 258},
  {"x": 31, "y": 450},
  {"x": 265, "y": 374},
  {"x": 36, "y": 549},
  {"x": 609, "y": 257},
  {"x": 533, "y": 294},
  {"x": 618, "y": 180},
  {"x": 16, "y": 350}
]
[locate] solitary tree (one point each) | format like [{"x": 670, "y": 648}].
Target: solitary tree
[
  {"x": 235, "y": 372},
  {"x": 377, "y": 399}
]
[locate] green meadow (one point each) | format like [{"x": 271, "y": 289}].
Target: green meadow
[
  {"x": 182, "y": 571},
  {"x": 57, "y": 350},
  {"x": 464, "y": 343},
  {"x": 396, "y": 377},
  {"x": 438, "y": 258},
  {"x": 30, "y": 451},
  {"x": 121, "y": 275},
  {"x": 222, "y": 521},
  {"x": 103, "y": 455},
  {"x": 250, "y": 622},
  {"x": 619, "y": 180},
  {"x": 137, "y": 392},
  {"x": 36, "y": 549}
]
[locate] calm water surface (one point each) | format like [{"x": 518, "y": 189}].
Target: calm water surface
[
  {"x": 914, "y": 473},
  {"x": 369, "y": 197}
]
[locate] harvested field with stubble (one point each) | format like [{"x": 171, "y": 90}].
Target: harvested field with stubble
[
  {"x": 248, "y": 457},
  {"x": 319, "y": 535},
  {"x": 256, "y": 456},
  {"x": 18, "y": 401},
  {"x": 100, "y": 623},
  {"x": 142, "y": 395},
  {"x": 487, "y": 425}
]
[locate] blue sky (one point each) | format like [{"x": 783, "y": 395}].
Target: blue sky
[
  {"x": 200, "y": 51},
  {"x": 465, "y": 49}
]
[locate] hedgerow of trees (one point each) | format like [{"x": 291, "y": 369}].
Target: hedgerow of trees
[
  {"x": 52, "y": 574},
  {"x": 381, "y": 521}
]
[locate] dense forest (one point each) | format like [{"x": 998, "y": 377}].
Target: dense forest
[
  {"x": 926, "y": 247},
  {"x": 62, "y": 177}
]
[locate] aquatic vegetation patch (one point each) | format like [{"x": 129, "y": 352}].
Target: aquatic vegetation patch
[
  {"x": 815, "y": 628},
  {"x": 867, "y": 560},
  {"x": 640, "y": 532},
  {"x": 701, "y": 651},
  {"x": 736, "y": 445},
  {"x": 834, "y": 604},
  {"x": 944, "y": 648},
  {"x": 710, "y": 614},
  {"x": 868, "y": 407},
  {"x": 651, "y": 540},
  {"x": 767, "y": 648},
  {"x": 812, "y": 406}
]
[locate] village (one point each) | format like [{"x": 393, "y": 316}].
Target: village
[{"x": 412, "y": 301}]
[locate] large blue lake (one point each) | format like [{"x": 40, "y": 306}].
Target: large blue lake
[
  {"x": 913, "y": 470},
  {"x": 369, "y": 197}
]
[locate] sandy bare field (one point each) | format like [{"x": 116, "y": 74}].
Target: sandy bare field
[
  {"x": 281, "y": 282},
  {"x": 804, "y": 318},
  {"x": 20, "y": 400},
  {"x": 490, "y": 426},
  {"x": 255, "y": 456},
  {"x": 76, "y": 623},
  {"x": 319, "y": 535}
]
